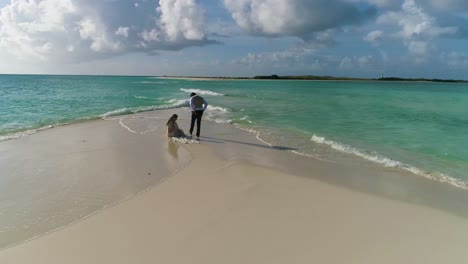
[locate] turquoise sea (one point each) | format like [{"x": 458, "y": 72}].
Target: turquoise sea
[{"x": 421, "y": 127}]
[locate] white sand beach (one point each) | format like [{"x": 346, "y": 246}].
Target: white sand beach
[{"x": 229, "y": 199}]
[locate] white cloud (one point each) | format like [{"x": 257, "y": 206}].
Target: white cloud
[
  {"x": 71, "y": 30},
  {"x": 96, "y": 33},
  {"x": 351, "y": 63},
  {"x": 151, "y": 35},
  {"x": 416, "y": 28},
  {"x": 293, "y": 55},
  {"x": 346, "y": 64},
  {"x": 456, "y": 59},
  {"x": 300, "y": 18},
  {"x": 42, "y": 16},
  {"x": 122, "y": 31},
  {"x": 28, "y": 28},
  {"x": 419, "y": 48},
  {"x": 300, "y": 59},
  {"x": 364, "y": 60},
  {"x": 374, "y": 36},
  {"x": 43, "y": 32},
  {"x": 181, "y": 19}
]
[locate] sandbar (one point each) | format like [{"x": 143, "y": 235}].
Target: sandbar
[{"x": 237, "y": 200}]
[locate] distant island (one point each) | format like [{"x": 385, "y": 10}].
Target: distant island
[
  {"x": 332, "y": 78},
  {"x": 316, "y": 78}
]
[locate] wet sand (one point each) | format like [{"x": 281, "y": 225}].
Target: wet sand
[{"x": 230, "y": 199}]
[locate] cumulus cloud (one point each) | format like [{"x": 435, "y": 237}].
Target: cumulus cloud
[
  {"x": 71, "y": 30},
  {"x": 95, "y": 32},
  {"x": 293, "y": 55},
  {"x": 374, "y": 36},
  {"x": 456, "y": 59},
  {"x": 181, "y": 19},
  {"x": 350, "y": 63},
  {"x": 414, "y": 22},
  {"x": 122, "y": 31},
  {"x": 28, "y": 28},
  {"x": 299, "y": 18},
  {"x": 416, "y": 28}
]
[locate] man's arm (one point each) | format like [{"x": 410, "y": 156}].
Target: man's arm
[
  {"x": 192, "y": 107},
  {"x": 205, "y": 104}
]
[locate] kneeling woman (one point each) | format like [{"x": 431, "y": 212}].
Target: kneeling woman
[{"x": 173, "y": 129}]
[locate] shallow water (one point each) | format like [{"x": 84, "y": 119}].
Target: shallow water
[
  {"x": 59, "y": 176},
  {"x": 420, "y": 127}
]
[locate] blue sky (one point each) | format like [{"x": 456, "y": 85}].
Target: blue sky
[{"x": 355, "y": 38}]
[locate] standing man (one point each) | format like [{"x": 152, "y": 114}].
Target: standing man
[{"x": 198, "y": 106}]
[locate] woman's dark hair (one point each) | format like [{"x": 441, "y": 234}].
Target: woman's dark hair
[{"x": 172, "y": 119}]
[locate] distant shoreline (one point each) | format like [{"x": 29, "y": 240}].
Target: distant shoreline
[
  {"x": 312, "y": 78},
  {"x": 263, "y": 77}
]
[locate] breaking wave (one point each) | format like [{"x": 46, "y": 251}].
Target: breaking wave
[
  {"x": 218, "y": 114},
  {"x": 175, "y": 103},
  {"x": 201, "y": 92},
  {"x": 388, "y": 162}
]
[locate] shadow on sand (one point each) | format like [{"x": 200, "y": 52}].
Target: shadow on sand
[{"x": 221, "y": 141}]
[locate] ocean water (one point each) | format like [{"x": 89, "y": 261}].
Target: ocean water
[{"x": 421, "y": 127}]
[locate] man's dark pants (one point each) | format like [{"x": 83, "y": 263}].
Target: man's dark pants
[{"x": 196, "y": 115}]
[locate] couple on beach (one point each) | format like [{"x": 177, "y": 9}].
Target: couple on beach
[{"x": 198, "y": 105}]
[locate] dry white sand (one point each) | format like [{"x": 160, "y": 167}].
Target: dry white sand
[{"x": 229, "y": 211}]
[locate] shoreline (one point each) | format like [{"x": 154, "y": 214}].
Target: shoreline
[
  {"x": 437, "y": 179},
  {"x": 61, "y": 175},
  {"x": 252, "y": 138},
  {"x": 378, "y": 160},
  {"x": 240, "y": 201}
]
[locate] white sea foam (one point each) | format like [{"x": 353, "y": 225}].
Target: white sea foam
[
  {"x": 122, "y": 124},
  {"x": 185, "y": 140},
  {"x": 246, "y": 118},
  {"x": 218, "y": 114},
  {"x": 257, "y": 133},
  {"x": 14, "y": 136},
  {"x": 310, "y": 156},
  {"x": 218, "y": 109},
  {"x": 250, "y": 130},
  {"x": 259, "y": 138},
  {"x": 141, "y": 97},
  {"x": 371, "y": 156},
  {"x": 150, "y": 82},
  {"x": 174, "y": 103},
  {"x": 179, "y": 102},
  {"x": 23, "y": 133},
  {"x": 201, "y": 92},
  {"x": 390, "y": 163},
  {"x": 11, "y": 136},
  {"x": 117, "y": 112}
]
